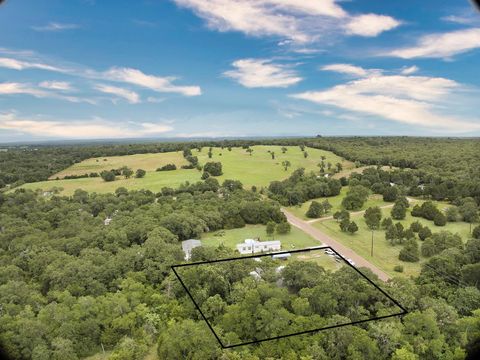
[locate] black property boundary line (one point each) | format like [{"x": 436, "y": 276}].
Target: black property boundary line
[{"x": 173, "y": 267}]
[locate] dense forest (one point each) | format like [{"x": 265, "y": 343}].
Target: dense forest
[
  {"x": 449, "y": 158},
  {"x": 90, "y": 273}
]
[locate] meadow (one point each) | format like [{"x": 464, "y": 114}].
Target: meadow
[
  {"x": 385, "y": 256},
  {"x": 257, "y": 168},
  {"x": 336, "y": 202}
]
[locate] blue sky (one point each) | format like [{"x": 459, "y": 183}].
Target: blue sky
[{"x": 91, "y": 69}]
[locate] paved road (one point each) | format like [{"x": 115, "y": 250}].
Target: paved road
[{"x": 325, "y": 239}]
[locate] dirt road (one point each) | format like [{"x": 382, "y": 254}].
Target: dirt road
[{"x": 325, "y": 239}]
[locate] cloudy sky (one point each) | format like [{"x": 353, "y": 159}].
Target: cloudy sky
[{"x": 92, "y": 69}]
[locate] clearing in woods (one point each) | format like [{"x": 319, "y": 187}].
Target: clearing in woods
[{"x": 257, "y": 168}]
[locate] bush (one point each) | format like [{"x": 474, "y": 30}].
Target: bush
[
  {"x": 168, "y": 167},
  {"x": 205, "y": 175},
  {"x": 140, "y": 173},
  {"x": 315, "y": 210},
  {"x": 352, "y": 227},
  {"x": 108, "y": 175},
  {"x": 398, "y": 268},
  {"x": 409, "y": 252},
  {"x": 476, "y": 232},
  {"x": 416, "y": 226},
  {"x": 213, "y": 168},
  {"x": 428, "y": 248},
  {"x": 390, "y": 194},
  {"x": 440, "y": 219},
  {"x": 424, "y": 233},
  {"x": 399, "y": 211},
  {"x": 283, "y": 228}
]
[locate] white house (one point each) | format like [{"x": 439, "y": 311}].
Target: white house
[
  {"x": 188, "y": 246},
  {"x": 251, "y": 246}
]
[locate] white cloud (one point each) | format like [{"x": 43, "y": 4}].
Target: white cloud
[
  {"x": 14, "y": 88},
  {"x": 370, "y": 25},
  {"x": 155, "y": 83},
  {"x": 262, "y": 73},
  {"x": 414, "y": 100},
  {"x": 56, "y": 85},
  {"x": 349, "y": 69},
  {"x": 443, "y": 45},
  {"x": 80, "y": 129},
  {"x": 54, "y": 26},
  {"x": 115, "y": 74},
  {"x": 300, "y": 21},
  {"x": 131, "y": 96},
  {"x": 155, "y": 100},
  {"x": 409, "y": 70},
  {"x": 15, "y": 64}
]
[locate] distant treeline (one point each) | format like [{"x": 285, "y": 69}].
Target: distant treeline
[{"x": 449, "y": 162}]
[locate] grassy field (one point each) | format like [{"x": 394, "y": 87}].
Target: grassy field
[
  {"x": 336, "y": 202},
  {"x": 297, "y": 239},
  {"x": 148, "y": 162},
  {"x": 257, "y": 169},
  {"x": 385, "y": 255}
]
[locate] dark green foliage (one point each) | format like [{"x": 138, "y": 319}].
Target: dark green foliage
[
  {"x": 205, "y": 175},
  {"x": 398, "y": 268},
  {"x": 315, "y": 210},
  {"x": 283, "y": 228},
  {"x": 108, "y": 175},
  {"x": 167, "y": 167},
  {"x": 299, "y": 188},
  {"x": 213, "y": 168},
  {"x": 476, "y": 232},
  {"x": 390, "y": 194},
  {"x": 140, "y": 173},
  {"x": 352, "y": 227},
  {"x": 440, "y": 219},
  {"x": 409, "y": 252},
  {"x": 386, "y": 223},
  {"x": 416, "y": 226},
  {"x": 341, "y": 215},
  {"x": 355, "y": 198},
  {"x": 372, "y": 217},
  {"x": 424, "y": 233},
  {"x": 399, "y": 211}
]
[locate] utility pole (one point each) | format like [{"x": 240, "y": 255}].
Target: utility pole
[{"x": 371, "y": 252}]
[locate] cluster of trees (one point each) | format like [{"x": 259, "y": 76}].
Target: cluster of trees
[
  {"x": 111, "y": 175},
  {"x": 282, "y": 228},
  {"x": 356, "y": 197},
  {"x": 213, "y": 168},
  {"x": 167, "y": 167},
  {"x": 343, "y": 219},
  {"x": 300, "y": 187},
  {"x": 70, "y": 285},
  {"x": 318, "y": 209},
  {"x": 428, "y": 210}
]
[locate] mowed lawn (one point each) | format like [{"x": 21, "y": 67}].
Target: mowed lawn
[
  {"x": 385, "y": 256},
  {"x": 336, "y": 202},
  {"x": 257, "y": 169},
  {"x": 296, "y": 239}
]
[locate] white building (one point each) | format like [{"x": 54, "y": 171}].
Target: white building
[
  {"x": 251, "y": 246},
  {"x": 188, "y": 246}
]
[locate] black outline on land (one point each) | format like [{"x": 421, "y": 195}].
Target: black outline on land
[{"x": 404, "y": 311}]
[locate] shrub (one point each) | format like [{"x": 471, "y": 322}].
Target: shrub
[
  {"x": 476, "y": 232},
  {"x": 424, "y": 233},
  {"x": 398, "y": 268},
  {"x": 390, "y": 194},
  {"x": 168, "y": 167},
  {"x": 283, "y": 228},
  {"x": 409, "y": 252},
  {"x": 108, "y": 175},
  {"x": 315, "y": 210},
  {"x": 213, "y": 168},
  {"x": 140, "y": 173},
  {"x": 416, "y": 226},
  {"x": 440, "y": 219}
]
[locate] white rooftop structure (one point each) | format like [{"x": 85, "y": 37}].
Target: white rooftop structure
[
  {"x": 251, "y": 246},
  {"x": 188, "y": 246}
]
